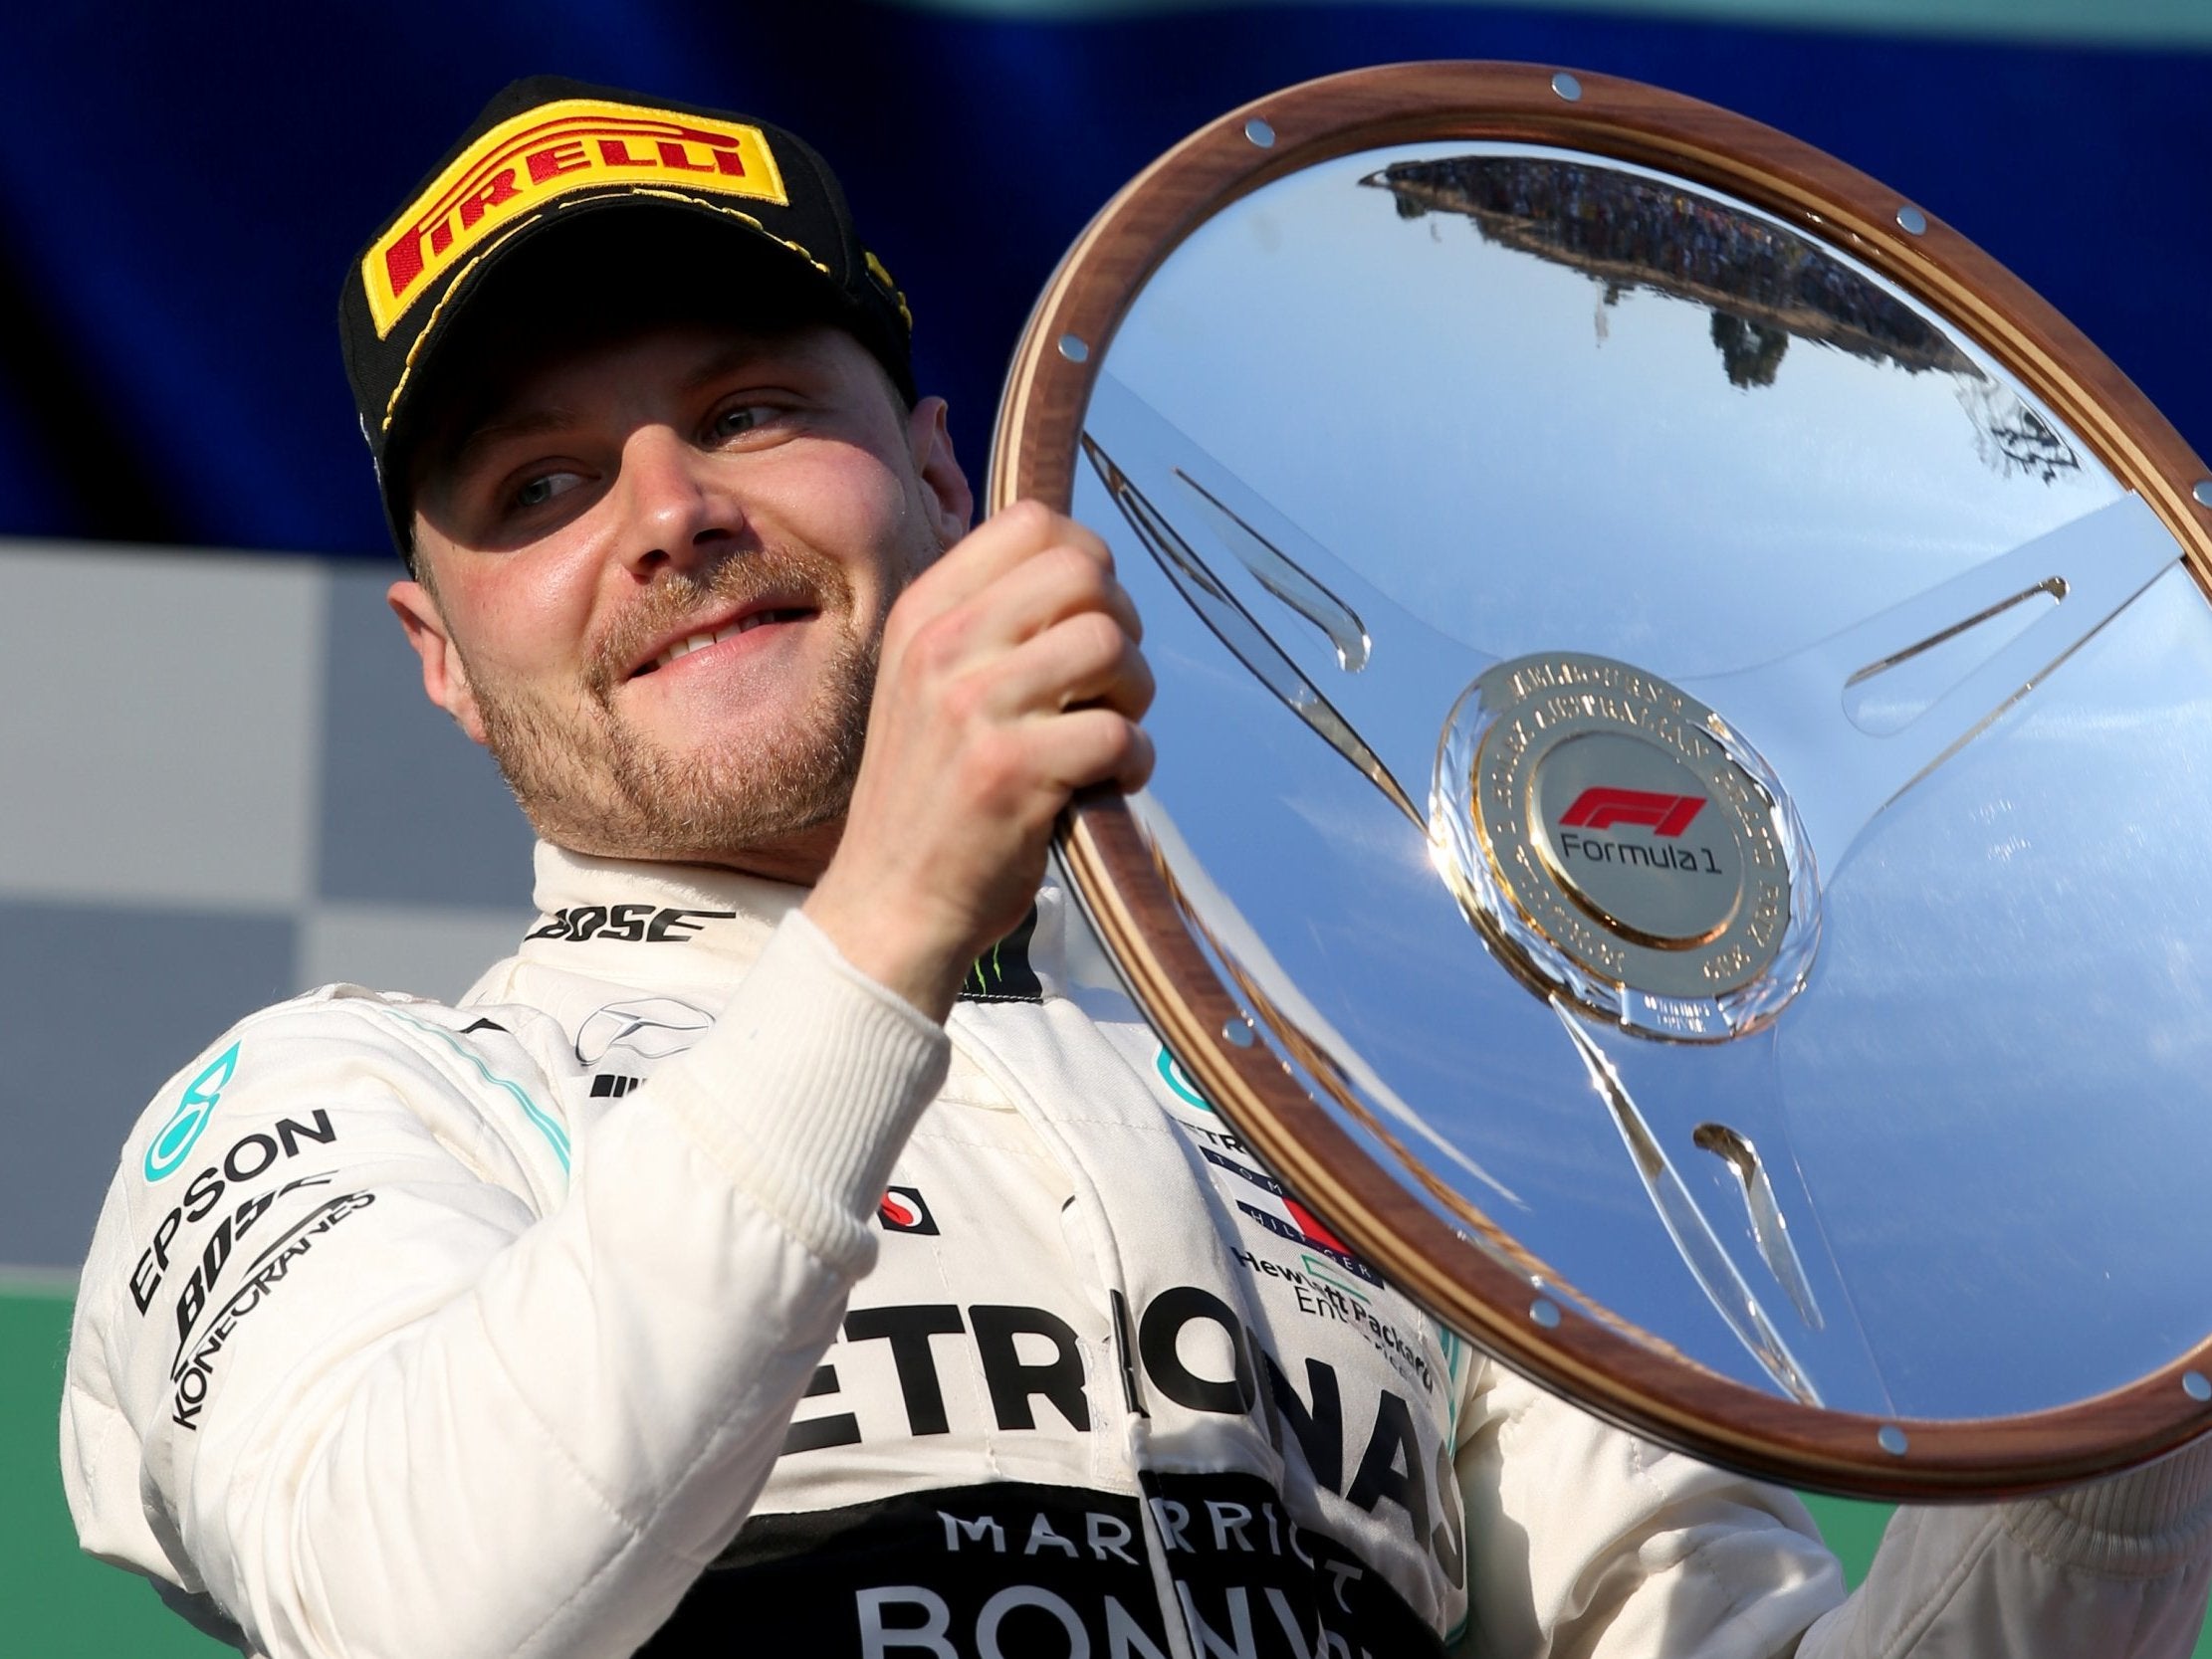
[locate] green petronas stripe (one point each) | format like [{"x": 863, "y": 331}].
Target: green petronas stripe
[{"x": 2135, "y": 23}]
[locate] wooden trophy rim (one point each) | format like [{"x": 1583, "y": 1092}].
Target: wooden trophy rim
[{"x": 1628, "y": 1378}]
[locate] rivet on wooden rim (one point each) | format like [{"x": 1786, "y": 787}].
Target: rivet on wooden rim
[
  {"x": 1566, "y": 85},
  {"x": 1238, "y": 1032},
  {"x": 1545, "y": 1313},
  {"x": 1892, "y": 1439},
  {"x": 2203, "y": 492},
  {"x": 1260, "y": 134},
  {"x": 1912, "y": 220},
  {"x": 1073, "y": 349},
  {"x": 2195, "y": 1386}
]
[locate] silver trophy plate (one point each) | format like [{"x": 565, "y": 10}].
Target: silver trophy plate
[{"x": 1684, "y": 744}]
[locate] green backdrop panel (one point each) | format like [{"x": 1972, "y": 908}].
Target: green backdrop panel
[{"x": 62, "y": 1604}]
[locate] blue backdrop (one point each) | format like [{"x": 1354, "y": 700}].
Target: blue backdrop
[{"x": 181, "y": 186}]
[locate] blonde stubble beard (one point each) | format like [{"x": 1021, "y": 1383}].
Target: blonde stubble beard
[{"x": 589, "y": 783}]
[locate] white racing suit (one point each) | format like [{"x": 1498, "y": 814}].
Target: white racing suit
[{"x": 684, "y": 1281}]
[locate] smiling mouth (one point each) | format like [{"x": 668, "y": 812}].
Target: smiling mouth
[{"x": 699, "y": 642}]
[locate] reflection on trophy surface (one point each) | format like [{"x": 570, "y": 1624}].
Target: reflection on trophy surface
[{"x": 1763, "y": 282}]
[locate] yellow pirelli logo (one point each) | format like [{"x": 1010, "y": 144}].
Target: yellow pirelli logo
[{"x": 552, "y": 150}]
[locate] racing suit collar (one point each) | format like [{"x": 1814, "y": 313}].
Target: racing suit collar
[
  {"x": 584, "y": 901},
  {"x": 727, "y": 918}
]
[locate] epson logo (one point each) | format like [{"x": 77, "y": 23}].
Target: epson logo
[{"x": 249, "y": 1159}]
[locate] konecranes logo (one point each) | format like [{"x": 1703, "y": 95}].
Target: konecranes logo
[{"x": 173, "y": 1140}]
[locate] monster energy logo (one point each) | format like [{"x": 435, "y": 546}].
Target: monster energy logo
[{"x": 1003, "y": 973}]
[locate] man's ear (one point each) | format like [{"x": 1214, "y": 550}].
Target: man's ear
[
  {"x": 952, "y": 504},
  {"x": 445, "y": 677}
]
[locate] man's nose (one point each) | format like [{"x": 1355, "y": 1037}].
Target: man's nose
[{"x": 679, "y": 511}]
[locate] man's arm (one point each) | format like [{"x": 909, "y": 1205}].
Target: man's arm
[
  {"x": 1587, "y": 1541},
  {"x": 1583, "y": 1539},
  {"x": 428, "y": 1403},
  {"x": 2117, "y": 1569}
]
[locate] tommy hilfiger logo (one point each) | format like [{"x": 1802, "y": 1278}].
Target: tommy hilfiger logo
[
  {"x": 902, "y": 1209},
  {"x": 1601, "y": 808},
  {"x": 1292, "y": 1221}
]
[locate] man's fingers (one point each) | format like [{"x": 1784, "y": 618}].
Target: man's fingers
[
  {"x": 1007, "y": 541},
  {"x": 1047, "y": 590},
  {"x": 1082, "y": 660},
  {"x": 1134, "y": 771},
  {"x": 1059, "y": 595},
  {"x": 946, "y": 594},
  {"x": 1087, "y": 746}
]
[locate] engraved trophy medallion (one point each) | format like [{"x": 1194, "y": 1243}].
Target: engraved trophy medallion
[
  {"x": 1618, "y": 842},
  {"x": 1680, "y": 730}
]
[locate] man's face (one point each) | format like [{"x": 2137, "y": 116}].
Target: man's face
[{"x": 658, "y": 573}]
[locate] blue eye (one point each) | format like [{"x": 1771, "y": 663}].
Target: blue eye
[
  {"x": 542, "y": 489},
  {"x": 736, "y": 422}
]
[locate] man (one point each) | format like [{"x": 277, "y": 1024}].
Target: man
[{"x": 708, "y": 1280}]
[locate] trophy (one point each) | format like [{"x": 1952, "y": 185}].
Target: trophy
[{"x": 1685, "y": 752}]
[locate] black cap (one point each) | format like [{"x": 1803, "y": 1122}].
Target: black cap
[{"x": 547, "y": 153}]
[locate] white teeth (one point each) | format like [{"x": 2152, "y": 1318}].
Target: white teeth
[{"x": 699, "y": 642}]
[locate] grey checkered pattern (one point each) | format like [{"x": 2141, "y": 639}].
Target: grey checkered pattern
[{"x": 223, "y": 786}]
